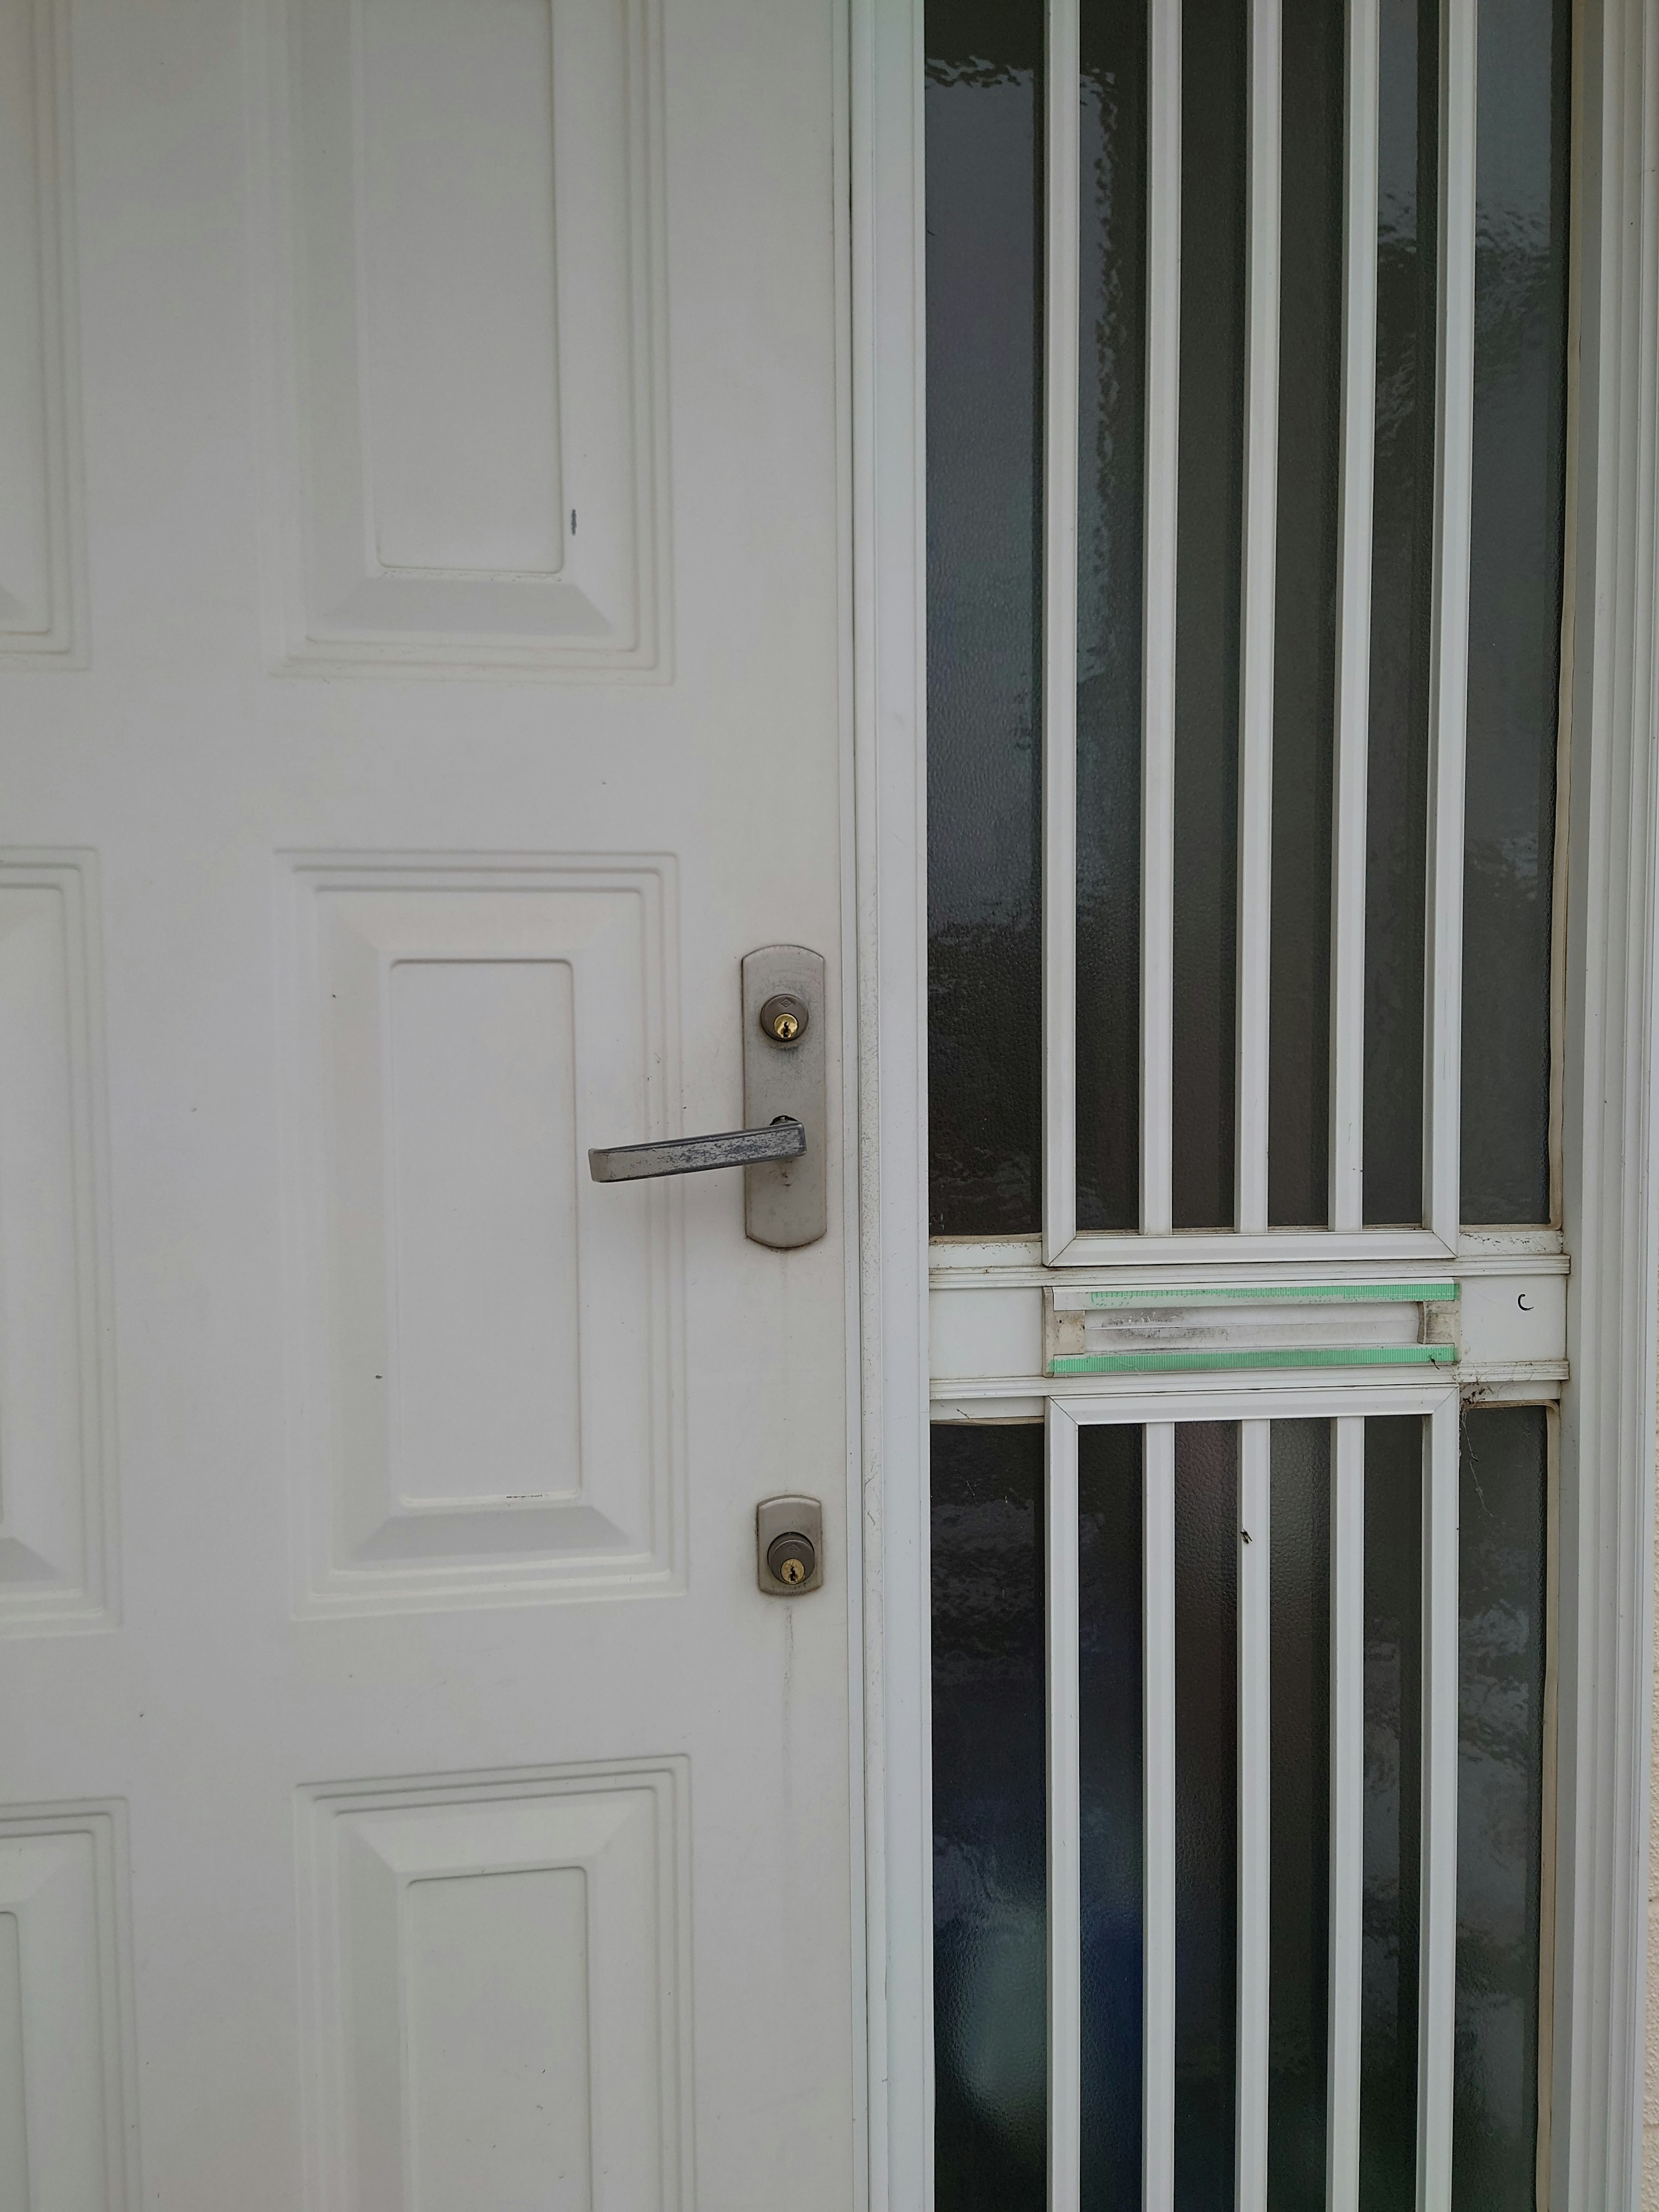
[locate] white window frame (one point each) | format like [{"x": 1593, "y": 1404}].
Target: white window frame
[{"x": 1607, "y": 1110}]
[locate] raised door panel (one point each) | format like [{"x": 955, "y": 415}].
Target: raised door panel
[
  {"x": 498, "y": 1998},
  {"x": 487, "y": 1367},
  {"x": 40, "y": 551},
  {"x": 470, "y": 202},
  {"x": 57, "y": 1490},
  {"x": 66, "y": 2139}
]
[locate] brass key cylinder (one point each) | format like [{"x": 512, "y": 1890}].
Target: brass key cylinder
[{"x": 789, "y": 1546}]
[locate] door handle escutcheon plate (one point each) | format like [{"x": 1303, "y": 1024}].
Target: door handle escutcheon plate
[
  {"x": 782, "y": 1149},
  {"x": 785, "y": 1199}
]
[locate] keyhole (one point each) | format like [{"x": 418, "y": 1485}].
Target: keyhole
[
  {"x": 783, "y": 1017},
  {"x": 790, "y": 1559}
]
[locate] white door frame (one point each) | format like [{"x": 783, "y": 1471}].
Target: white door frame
[{"x": 1611, "y": 1220}]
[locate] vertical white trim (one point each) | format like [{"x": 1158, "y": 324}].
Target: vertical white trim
[
  {"x": 1158, "y": 1782},
  {"x": 1347, "y": 1816},
  {"x": 1059, "y": 498},
  {"x": 1611, "y": 1190},
  {"x": 1064, "y": 1820},
  {"x": 890, "y": 784},
  {"x": 852, "y": 1513},
  {"x": 1258, "y": 601},
  {"x": 1437, "y": 1877},
  {"x": 1450, "y": 644},
  {"x": 1353, "y": 640},
  {"x": 1158, "y": 620},
  {"x": 1254, "y": 1814}
]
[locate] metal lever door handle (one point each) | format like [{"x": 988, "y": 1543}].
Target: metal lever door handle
[
  {"x": 784, "y": 1140},
  {"x": 784, "y": 1151}
]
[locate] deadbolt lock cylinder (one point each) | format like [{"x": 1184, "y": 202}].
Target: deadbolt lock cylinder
[
  {"x": 789, "y": 1546},
  {"x": 784, "y": 1018},
  {"x": 792, "y": 1560}
]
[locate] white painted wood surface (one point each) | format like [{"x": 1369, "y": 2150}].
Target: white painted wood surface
[{"x": 424, "y": 1651}]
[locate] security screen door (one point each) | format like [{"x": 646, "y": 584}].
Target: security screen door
[
  {"x": 1247, "y": 435},
  {"x": 420, "y": 649}
]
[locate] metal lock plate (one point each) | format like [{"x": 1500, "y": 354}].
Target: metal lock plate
[
  {"x": 784, "y": 1202},
  {"x": 789, "y": 1546}
]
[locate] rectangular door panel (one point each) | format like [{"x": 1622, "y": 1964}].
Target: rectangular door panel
[
  {"x": 42, "y": 551},
  {"x": 500, "y": 1991},
  {"x": 469, "y": 227},
  {"x": 66, "y": 2139},
  {"x": 490, "y": 1339},
  {"x": 57, "y": 1564}
]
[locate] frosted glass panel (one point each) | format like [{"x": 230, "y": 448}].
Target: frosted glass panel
[
  {"x": 1500, "y": 1811},
  {"x": 984, "y": 151},
  {"x": 1109, "y": 1504},
  {"x": 1393, "y": 1758},
  {"x": 1515, "y": 604},
  {"x": 1304, "y": 629},
  {"x": 1208, "y": 528},
  {"x": 1206, "y": 1818},
  {"x": 1111, "y": 444},
  {"x": 1300, "y": 1781},
  {"x": 990, "y": 1925},
  {"x": 1402, "y": 560}
]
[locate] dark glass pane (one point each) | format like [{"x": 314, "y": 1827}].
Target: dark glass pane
[
  {"x": 1109, "y": 1584},
  {"x": 1111, "y": 431},
  {"x": 1304, "y": 648},
  {"x": 1394, "y": 1760},
  {"x": 990, "y": 1922},
  {"x": 1206, "y": 1817},
  {"x": 1209, "y": 553},
  {"x": 1300, "y": 1814},
  {"x": 1499, "y": 1806},
  {"x": 1403, "y": 580},
  {"x": 984, "y": 154},
  {"x": 1514, "y": 604}
]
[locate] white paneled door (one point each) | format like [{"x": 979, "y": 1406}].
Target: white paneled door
[{"x": 422, "y": 644}]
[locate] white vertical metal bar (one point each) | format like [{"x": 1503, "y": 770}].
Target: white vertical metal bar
[
  {"x": 1158, "y": 1765},
  {"x": 1437, "y": 1879},
  {"x": 1449, "y": 649},
  {"x": 1158, "y": 621},
  {"x": 1254, "y": 1964},
  {"x": 1259, "y": 553},
  {"x": 1065, "y": 1819},
  {"x": 1353, "y": 637},
  {"x": 1060, "y": 496},
  {"x": 1347, "y": 1788}
]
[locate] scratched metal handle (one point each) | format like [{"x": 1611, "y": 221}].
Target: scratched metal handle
[{"x": 785, "y": 1140}]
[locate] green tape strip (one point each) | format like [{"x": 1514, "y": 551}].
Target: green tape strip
[
  {"x": 1179, "y": 1362},
  {"x": 1305, "y": 1294}
]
